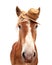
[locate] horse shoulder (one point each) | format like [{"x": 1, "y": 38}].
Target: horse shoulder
[{"x": 13, "y": 53}]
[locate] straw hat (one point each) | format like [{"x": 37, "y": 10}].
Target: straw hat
[{"x": 33, "y": 13}]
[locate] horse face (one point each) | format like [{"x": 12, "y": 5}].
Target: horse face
[{"x": 27, "y": 36}]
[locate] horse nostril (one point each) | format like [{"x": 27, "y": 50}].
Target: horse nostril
[
  {"x": 34, "y": 53},
  {"x": 23, "y": 54}
]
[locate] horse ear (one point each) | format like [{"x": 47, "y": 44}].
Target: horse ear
[
  {"x": 18, "y": 11},
  {"x": 39, "y": 10}
]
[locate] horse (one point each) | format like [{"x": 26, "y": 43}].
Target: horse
[{"x": 24, "y": 51}]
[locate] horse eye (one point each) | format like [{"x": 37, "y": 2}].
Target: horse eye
[
  {"x": 19, "y": 26},
  {"x": 36, "y": 26}
]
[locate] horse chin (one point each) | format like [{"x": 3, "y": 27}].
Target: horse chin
[{"x": 28, "y": 61}]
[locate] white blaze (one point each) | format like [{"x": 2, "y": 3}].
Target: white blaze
[{"x": 29, "y": 42}]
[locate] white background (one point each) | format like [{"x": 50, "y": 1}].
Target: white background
[{"x": 9, "y": 33}]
